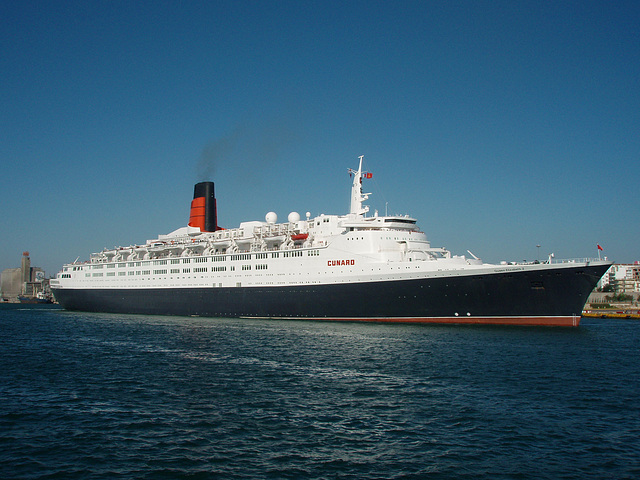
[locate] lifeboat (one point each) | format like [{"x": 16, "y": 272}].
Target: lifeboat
[{"x": 300, "y": 237}]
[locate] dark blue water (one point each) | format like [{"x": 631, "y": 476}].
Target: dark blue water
[{"x": 116, "y": 396}]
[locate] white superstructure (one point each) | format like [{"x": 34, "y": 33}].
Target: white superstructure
[{"x": 324, "y": 249}]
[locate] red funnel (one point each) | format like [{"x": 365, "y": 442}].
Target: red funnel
[{"x": 203, "y": 208}]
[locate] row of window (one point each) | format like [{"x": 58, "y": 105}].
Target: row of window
[
  {"x": 173, "y": 271},
  {"x": 120, "y": 274},
  {"x": 221, "y": 258}
]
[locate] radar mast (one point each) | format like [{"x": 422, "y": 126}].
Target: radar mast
[{"x": 357, "y": 197}]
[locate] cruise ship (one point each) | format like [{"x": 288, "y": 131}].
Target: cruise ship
[{"x": 353, "y": 267}]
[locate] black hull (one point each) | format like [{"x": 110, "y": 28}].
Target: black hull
[{"x": 542, "y": 297}]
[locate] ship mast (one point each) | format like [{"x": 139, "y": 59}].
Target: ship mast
[{"x": 357, "y": 197}]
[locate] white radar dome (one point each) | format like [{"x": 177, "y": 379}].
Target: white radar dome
[
  {"x": 271, "y": 217},
  {"x": 294, "y": 217}
]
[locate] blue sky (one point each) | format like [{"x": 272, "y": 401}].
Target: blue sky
[{"x": 498, "y": 125}]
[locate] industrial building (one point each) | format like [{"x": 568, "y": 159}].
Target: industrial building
[{"x": 24, "y": 283}]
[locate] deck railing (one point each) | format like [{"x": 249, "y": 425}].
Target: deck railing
[{"x": 574, "y": 260}]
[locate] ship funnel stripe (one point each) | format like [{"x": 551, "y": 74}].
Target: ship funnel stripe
[
  {"x": 197, "y": 216},
  {"x": 203, "y": 208}
]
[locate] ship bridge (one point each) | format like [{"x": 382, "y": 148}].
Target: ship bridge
[{"x": 378, "y": 223}]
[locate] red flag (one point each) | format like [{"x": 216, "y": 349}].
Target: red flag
[
  {"x": 599, "y": 247},
  {"x": 368, "y": 175}
]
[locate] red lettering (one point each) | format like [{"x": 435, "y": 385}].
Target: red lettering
[{"x": 340, "y": 263}]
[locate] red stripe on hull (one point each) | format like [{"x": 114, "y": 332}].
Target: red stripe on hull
[{"x": 570, "y": 321}]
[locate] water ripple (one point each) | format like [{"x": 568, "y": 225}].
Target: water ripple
[{"x": 108, "y": 396}]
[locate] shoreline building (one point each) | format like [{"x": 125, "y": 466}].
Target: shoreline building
[
  {"x": 24, "y": 281},
  {"x": 623, "y": 278}
]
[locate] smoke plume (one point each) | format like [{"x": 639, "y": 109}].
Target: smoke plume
[{"x": 259, "y": 146}]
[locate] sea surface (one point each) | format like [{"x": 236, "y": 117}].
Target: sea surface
[{"x": 97, "y": 396}]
